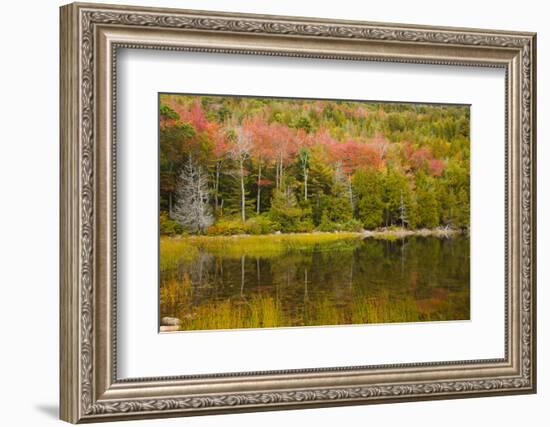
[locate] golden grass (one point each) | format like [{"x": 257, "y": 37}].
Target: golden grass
[
  {"x": 264, "y": 311},
  {"x": 258, "y": 312},
  {"x": 186, "y": 248},
  {"x": 175, "y": 295},
  {"x": 382, "y": 309}
]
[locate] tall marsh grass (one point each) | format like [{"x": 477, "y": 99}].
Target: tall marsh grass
[
  {"x": 264, "y": 311},
  {"x": 258, "y": 312}
]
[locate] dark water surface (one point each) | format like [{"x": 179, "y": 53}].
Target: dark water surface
[{"x": 371, "y": 281}]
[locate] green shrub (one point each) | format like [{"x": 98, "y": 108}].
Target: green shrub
[
  {"x": 168, "y": 226},
  {"x": 284, "y": 210},
  {"x": 304, "y": 226},
  {"x": 327, "y": 225},
  {"x": 226, "y": 227},
  {"x": 351, "y": 225},
  {"x": 260, "y": 224}
]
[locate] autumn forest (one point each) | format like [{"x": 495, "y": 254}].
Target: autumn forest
[{"x": 231, "y": 165}]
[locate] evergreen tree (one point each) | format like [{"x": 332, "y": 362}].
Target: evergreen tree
[
  {"x": 428, "y": 212},
  {"x": 284, "y": 209},
  {"x": 463, "y": 209},
  {"x": 338, "y": 206},
  {"x": 173, "y": 135},
  {"x": 403, "y": 217},
  {"x": 397, "y": 193},
  {"x": 369, "y": 193},
  {"x": 455, "y": 195}
]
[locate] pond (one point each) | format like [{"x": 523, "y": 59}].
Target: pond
[{"x": 354, "y": 281}]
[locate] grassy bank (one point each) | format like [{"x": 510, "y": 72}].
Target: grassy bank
[{"x": 186, "y": 248}]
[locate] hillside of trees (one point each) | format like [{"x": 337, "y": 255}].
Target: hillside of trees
[{"x": 231, "y": 165}]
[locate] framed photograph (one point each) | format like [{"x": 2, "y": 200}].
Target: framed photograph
[{"x": 266, "y": 212}]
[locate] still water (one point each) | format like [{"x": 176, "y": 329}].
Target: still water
[{"x": 368, "y": 281}]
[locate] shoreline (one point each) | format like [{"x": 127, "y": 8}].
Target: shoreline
[
  {"x": 382, "y": 233},
  {"x": 403, "y": 232}
]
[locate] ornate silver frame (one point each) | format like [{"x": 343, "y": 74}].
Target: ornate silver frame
[{"x": 90, "y": 36}]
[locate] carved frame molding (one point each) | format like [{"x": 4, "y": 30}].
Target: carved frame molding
[{"x": 90, "y": 37}]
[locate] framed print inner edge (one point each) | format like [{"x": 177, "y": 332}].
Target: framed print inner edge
[{"x": 90, "y": 37}]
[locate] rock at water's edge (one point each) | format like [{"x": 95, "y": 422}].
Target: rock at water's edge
[{"x": 170, "y": 321}]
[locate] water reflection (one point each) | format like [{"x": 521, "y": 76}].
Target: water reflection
[{"x": 412, "y": 279}]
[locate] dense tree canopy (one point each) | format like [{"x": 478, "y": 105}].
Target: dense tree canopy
[{"x": 271, "y": 164}]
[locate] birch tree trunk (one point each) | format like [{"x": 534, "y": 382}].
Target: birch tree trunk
[
  {"x": 281, "y": 172},
  {"x": 217, "y": 184},
  {"x": 305, "y": 182},
  {"x": 259, "y": 188},
  {"x": 350, "y": 189},
  {"x": 243, "y": 204},
  {"x": 304, "y": 160}
]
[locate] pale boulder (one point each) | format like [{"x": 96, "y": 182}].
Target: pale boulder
[{"x": 170, "y": 321}]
